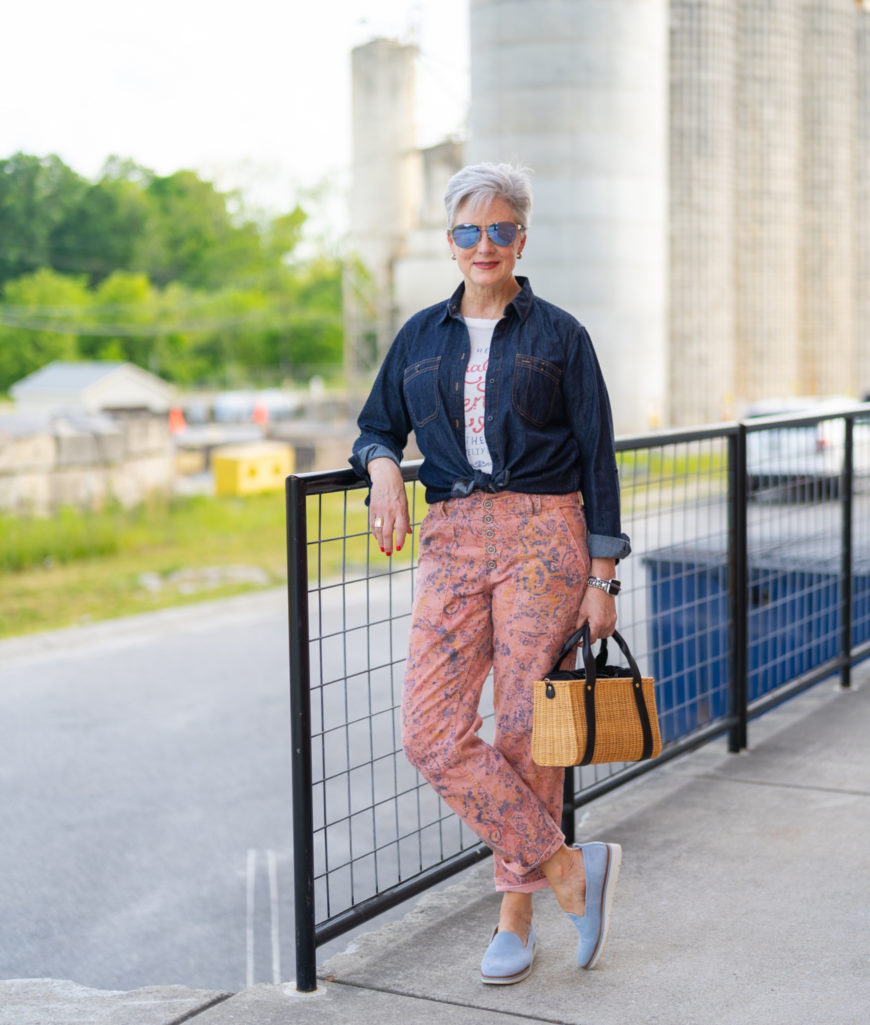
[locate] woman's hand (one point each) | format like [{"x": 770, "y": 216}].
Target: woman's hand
[
  {"x": 388, "y": 505},
  {"x": 598, "y": 608}
]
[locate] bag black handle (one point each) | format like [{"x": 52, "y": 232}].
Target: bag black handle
[
  {"x": 592, "y": 665},
  {"x": 601, "y": 661}
]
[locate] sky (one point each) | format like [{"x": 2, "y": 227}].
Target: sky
[{"x": 252, "y": 95}]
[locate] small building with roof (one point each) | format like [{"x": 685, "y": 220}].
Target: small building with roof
[
  {"x": 84, "y": 434},
  {"x": 91, "y": 387}
]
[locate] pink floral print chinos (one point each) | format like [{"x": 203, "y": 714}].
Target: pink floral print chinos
[{"x": 499, "y": 585}]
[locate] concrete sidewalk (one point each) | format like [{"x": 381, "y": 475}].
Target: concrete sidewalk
[{"x": 744, "y": 898}]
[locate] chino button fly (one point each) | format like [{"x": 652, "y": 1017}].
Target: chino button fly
[{"x": 489, "y": 533}]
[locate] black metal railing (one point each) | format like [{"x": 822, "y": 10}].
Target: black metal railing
[{"x": 749, "y": 581}]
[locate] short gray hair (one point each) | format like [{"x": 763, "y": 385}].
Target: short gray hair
[{"x": 482, "y": 183}]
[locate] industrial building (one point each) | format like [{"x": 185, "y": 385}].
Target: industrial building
[{"x": 702, "y": 191}]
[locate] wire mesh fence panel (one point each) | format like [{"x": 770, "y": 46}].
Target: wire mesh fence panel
[
  {"x": 376, "y": 822},
  {"x": 861, "y": 532},
  {"x": 676, "y": 605},
  {"x": 796, "y": 476}
]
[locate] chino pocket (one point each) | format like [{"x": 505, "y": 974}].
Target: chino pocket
[
  {"x": 573, "y": 518},
  {"x": 536, "y": 388},
  {"x": 427, "y": 611},
  {"x": 420, "y": 387},
  {"x": 436, "y": 534}
]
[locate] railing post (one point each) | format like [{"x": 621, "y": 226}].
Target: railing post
[
  {"x": 846, "y": 569},
  {"x": 568, "y": 806},
  {"x": 738, "y": 559},
  {"x": 300, "y": 733}
]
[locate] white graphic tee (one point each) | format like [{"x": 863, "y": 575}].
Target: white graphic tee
[{"x": 480, "y": 331}]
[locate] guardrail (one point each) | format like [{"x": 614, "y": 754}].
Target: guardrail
[{"x": 749, "y": 581}]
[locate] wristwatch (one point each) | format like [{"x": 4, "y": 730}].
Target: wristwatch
[{"x": 612, "y": 586}]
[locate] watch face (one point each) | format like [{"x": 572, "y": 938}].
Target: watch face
[{"x": 612, "y": 586}]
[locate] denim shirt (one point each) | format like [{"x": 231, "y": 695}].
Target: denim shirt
[{"x": 548, "y": 422}]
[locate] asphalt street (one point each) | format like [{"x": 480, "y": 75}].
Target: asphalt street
[{"x": 145, "y": 823}]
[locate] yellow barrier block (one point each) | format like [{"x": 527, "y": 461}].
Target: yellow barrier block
[{"x": 249, "y": 469}]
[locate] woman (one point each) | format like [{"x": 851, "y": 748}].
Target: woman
[{"x": 510, "y": 412}]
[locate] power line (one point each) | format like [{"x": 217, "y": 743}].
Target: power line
[{"x": 275, "y": 316}]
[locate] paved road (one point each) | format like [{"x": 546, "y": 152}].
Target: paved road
[{"x": 145, "y": 823}]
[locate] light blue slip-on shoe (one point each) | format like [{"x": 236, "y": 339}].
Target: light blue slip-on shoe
[
  {"x": 507, "y": 958},
  {"x": 601, "y": 862}
]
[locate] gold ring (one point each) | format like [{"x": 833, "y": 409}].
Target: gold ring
[{"x": 378, "y": 523}]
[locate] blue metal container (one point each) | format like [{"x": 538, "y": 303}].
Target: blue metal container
[{"x": 793, "y": 626}]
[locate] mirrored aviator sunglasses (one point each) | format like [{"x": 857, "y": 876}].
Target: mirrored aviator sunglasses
[{"x": 502, "y": 233}]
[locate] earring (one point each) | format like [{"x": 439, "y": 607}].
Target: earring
[
  {"x": 453, "y": 256},
  {"x": 520, "y": 255}
]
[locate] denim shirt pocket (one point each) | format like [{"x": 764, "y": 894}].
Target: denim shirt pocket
[
  {"x": 536, "y": 387},
  {"x": 420, "y": 386}
]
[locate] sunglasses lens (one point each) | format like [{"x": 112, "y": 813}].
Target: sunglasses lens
[
  {"x": 502, "y": 233},
  {"x": 466, "y": 235}
]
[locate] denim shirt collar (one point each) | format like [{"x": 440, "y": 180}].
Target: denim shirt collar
[{"x": 522, "y": 302}]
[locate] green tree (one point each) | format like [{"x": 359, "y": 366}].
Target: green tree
[
  {"x": 102, "y": 232},
  {"x": 190, "y": 236},
  {"x": 122, "y": 320},
  {"x": 282, "y": 235},
  {"x": 166, "y": 272},
  {"x": 308, "y": 336},
  {"x": 37, "y": 194},
  {"x": 39, "y": 322},
  {"x": 173, "y": 352}
]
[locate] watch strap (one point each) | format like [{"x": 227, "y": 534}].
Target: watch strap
[{"x": 611, "y": 586}]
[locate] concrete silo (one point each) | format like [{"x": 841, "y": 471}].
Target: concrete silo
[
  {"x": 862, "y": 203},
  {"x": 768, "y": 197},
  {"x": 702, "y": 361},
  {"x": 827, "y": 348},
  {"x": 577, "y": 90},
  {"x": 383, "y": 197}
]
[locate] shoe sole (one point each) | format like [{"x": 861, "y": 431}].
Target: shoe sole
[
  {"x": 509, "y": 980},
  {"x": 611, "y": 875}
]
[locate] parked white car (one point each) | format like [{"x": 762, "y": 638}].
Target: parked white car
[{"x": 804, "y": 461}]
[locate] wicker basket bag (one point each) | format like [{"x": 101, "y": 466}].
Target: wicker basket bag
[{"x": 599, "y": 713}]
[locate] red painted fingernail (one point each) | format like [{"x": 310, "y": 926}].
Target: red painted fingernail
[
  {"x": 382, "y": 549},
  {"x": 398, "y": 548}
]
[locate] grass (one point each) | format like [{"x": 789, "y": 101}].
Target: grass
[{"x": 78, "y": 567}]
